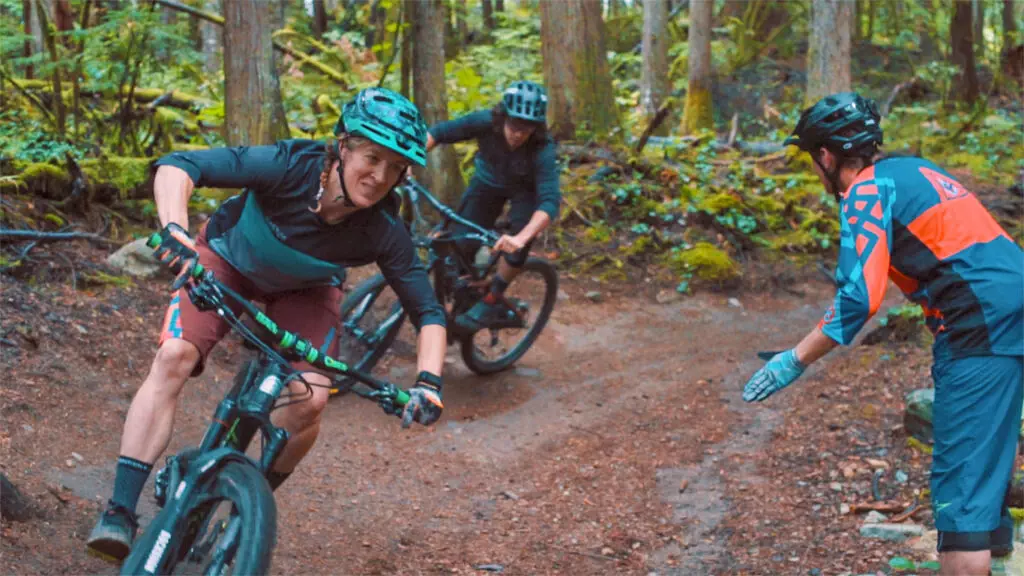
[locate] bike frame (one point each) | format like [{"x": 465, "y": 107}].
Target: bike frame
[
  {"x": 245, "y": 409},
  {"x": 439, "y": 266}
]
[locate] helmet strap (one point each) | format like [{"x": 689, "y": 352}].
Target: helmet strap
[
  {"x": 832, "y": 176},
  {"x": 343, "y": 194}
]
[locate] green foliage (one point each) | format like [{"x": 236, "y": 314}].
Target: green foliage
[
  {"x": 24, "y": 138},
  {"x": 703, "y": 261},
  {"x": 903, "y": 312}
]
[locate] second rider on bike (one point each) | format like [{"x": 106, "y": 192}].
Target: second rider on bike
[
  {"x": 306, "y": 213},
  {"x": 515, "y": 162}
]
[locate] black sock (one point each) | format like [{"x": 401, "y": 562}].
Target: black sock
[
  {"x": 129, "y": 480},
  {"x": 498, "y": 286},
  {"x": 275, "y": 478}
]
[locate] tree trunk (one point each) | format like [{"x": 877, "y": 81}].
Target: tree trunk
[
  {"x": 212, "y": 37},
  {"x": 499, "y": 5},
  {"x": 442, "y": 175},
  {"x": 14, "y": 506},
  {"x": 1009, "y": 31},
  {"x": 36, "y": 43},
  {"x": 828, "y": 55},
  {"x": 699, "y": 111},
  {"x": 961, "y": 31},
  {"x": 576, "y": 68},
  {"x": 253, "y": 110},
  {"x": 654, "y": 83},
  {"x": 1009, "y": 24},
  {"x": 872, "y": 6},
  {"x": 926, "y": 38},
  {"x": 488, "y": 9},
  {"x": 978, "y": 20},
  {"x": 461, "y": 27},
  {"x": 407, "y": 33},
  {"x": 319, "y": 19}
]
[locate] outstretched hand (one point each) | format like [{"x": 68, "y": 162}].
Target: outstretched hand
[{"x": 781, "y": 371}]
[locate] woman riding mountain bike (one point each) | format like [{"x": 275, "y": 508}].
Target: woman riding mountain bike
[
  {"x": 307, "y": 212},
  {"x": 515, "y": 163}
]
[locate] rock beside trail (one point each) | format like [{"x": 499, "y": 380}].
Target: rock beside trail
[
  {"x": 135, "y": 259},
  {"x": 891, "y": 532}
]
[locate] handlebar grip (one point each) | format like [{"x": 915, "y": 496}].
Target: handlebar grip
[
  {"x": 402, "y": 398},
  {"x": 154, "y": 242}
]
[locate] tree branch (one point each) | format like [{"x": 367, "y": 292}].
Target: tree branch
[
  {"x": 37, "y": 236},
  {"x": 300, "y": 56}
]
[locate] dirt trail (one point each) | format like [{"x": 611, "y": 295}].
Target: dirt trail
[{"x": 602, "y": 452}]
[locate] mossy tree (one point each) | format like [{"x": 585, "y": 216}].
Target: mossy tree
[
  {"x": 253, "y": 108},
  {"x": 961, "y": 32},
  {"x": 654, "y": 84},
  {"x": 576, "y": 71},
  {"x": 699, "y": 112},
  {"x": 442, "y": 174},
  {"x": 828, "y": 55}
]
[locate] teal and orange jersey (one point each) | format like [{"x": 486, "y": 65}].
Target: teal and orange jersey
[{"x": 907, "y": 219}]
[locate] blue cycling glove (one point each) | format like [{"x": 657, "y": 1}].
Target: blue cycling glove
[{"x": 781, "y": 371}]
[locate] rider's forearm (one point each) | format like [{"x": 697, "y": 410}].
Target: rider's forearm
[
  {"x": 433, "y": 345},
  {"x": 172, "y": 188},
  {"x": 537, "y": 224},
  {"x": 815, "y": 345}
]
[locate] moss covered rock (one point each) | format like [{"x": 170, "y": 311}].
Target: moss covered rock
[
  {"x": 44, "y": 180},
  {"x": 720, "y": 203},
  {"x": 121, "y": 176},
  {"x": 706, "y": 262}
]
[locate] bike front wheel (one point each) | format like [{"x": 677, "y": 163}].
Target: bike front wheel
[
  {"x": 229, "y": 527},
  {"x": 532, "y": 297}
]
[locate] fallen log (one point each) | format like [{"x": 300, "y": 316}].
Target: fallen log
[{"x": 38, "y": 236}]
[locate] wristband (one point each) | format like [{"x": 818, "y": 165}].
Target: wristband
[{"x": 432, "y": 380}]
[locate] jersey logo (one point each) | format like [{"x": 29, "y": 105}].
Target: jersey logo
[{"x": 948, "y": 188}]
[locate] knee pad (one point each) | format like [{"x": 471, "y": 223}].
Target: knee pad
[{"x": 964, "y": 541}]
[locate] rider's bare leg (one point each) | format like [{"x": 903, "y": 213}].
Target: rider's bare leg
[
  {"x": 301, "y": 420},
  {"x": 150, "y": 420}
]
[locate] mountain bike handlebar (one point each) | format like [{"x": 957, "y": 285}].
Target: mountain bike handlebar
[
  {"x": 417, "y": 191},
  {"x": 210, "y": 294}
]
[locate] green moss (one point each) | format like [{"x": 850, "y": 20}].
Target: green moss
[
  {"x": 823, "y": 224},
  {"x": 45, "y": 180},
  {"x": 642, "y": 245},
  {"x": 612, "y": 275},
  {"x": 120, "y": 172},
  {"x": 170, "y": 119},
  {"x": 719, "y": 203},
  {"x": 698, "y": 114},
  {"x": 768, "y": 210},
  {"x": 598, "y": 233},
  {"x": 706, "y": 262},
  {"x": 794, "y": 241},
  {"x": 765, "y": 204},
  {"x": 10, "y": 185},
  {"x": 104, "y": 279}
]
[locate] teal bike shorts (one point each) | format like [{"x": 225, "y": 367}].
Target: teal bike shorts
[{"x": 976, "y": 423}]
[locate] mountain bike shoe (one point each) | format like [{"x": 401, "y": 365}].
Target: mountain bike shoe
[
  {"x": 111, "y": 538},
  {"x": 483, "y": 315}
]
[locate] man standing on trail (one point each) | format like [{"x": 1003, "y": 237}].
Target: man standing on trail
[{"x": 909, "y": 220}]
